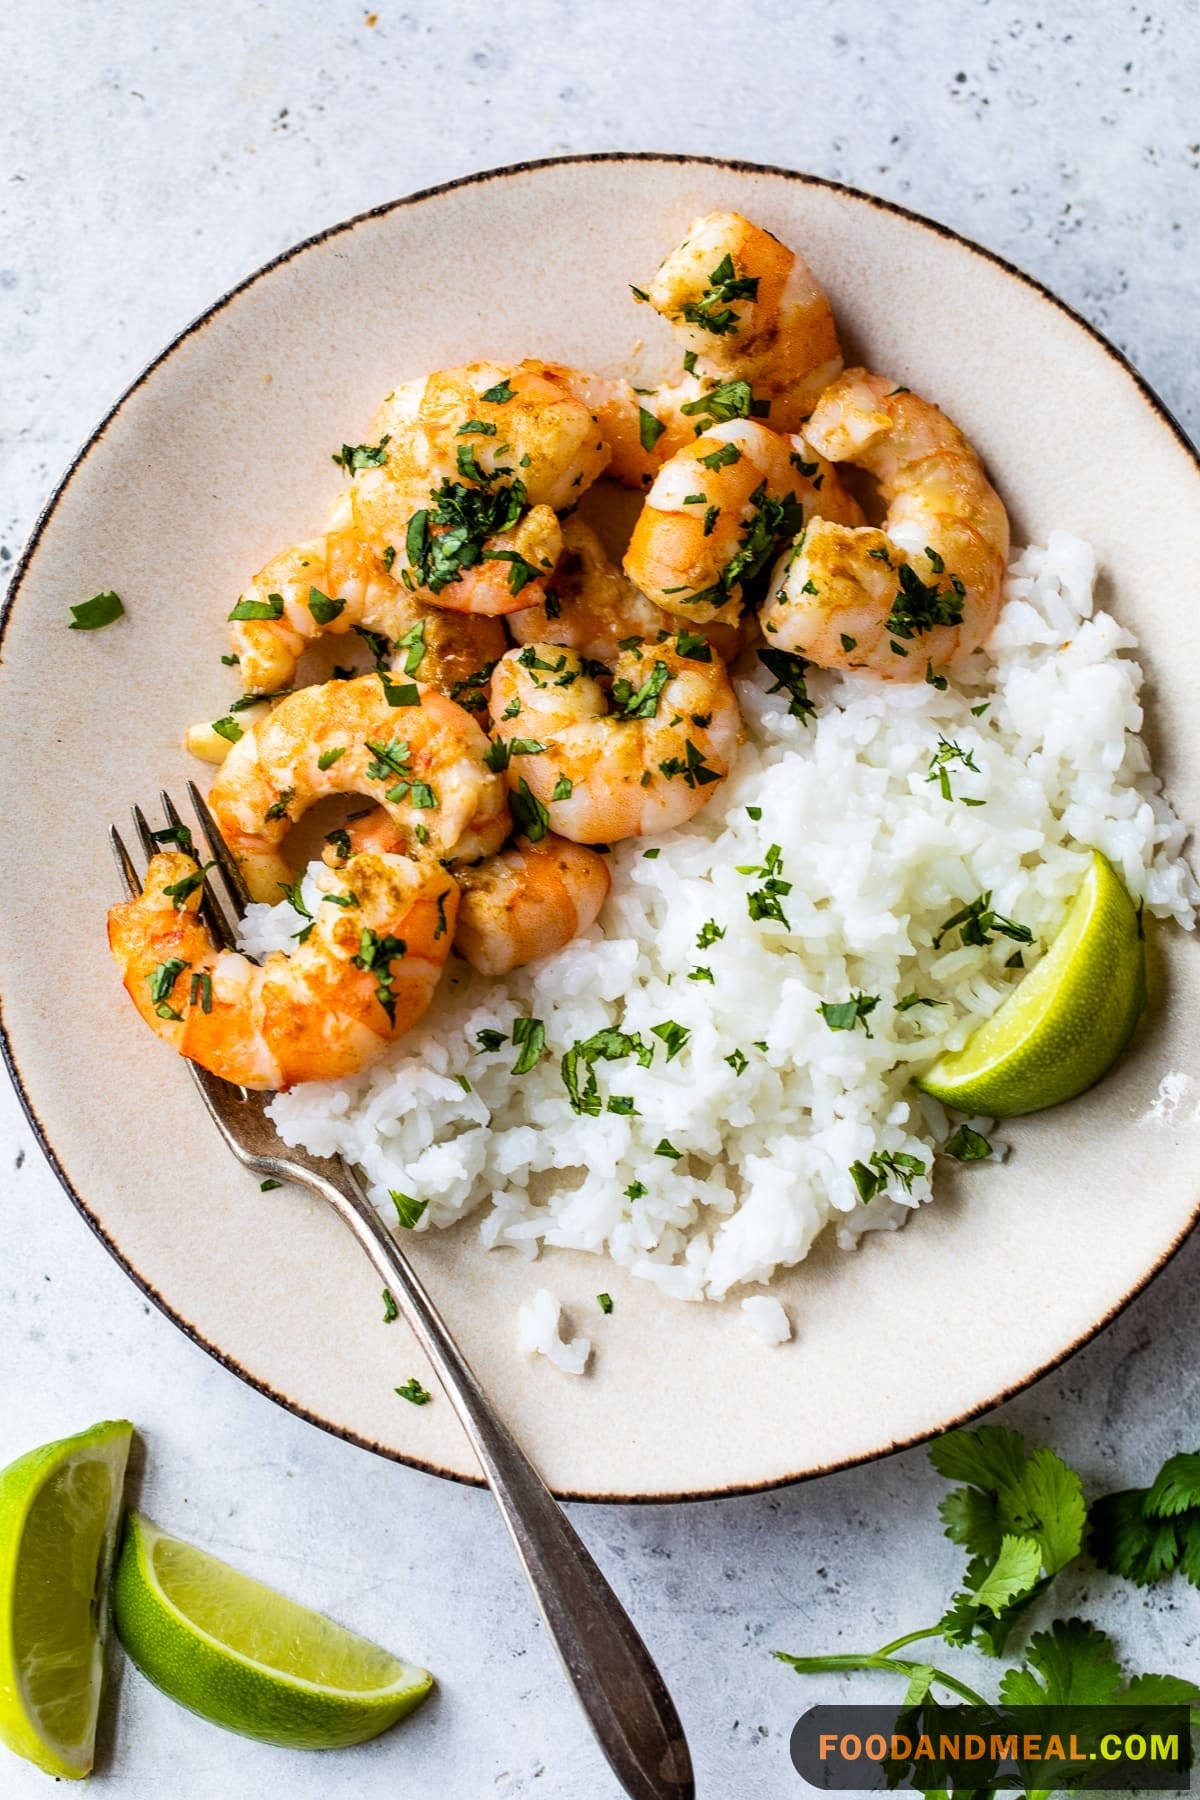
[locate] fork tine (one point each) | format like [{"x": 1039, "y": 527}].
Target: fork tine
[
  {"x": 219, "y": 851},
  {"x": 210, "y": 907},
  {"x": 144, "y": 833},
  {"x": 128, "y": 873}
]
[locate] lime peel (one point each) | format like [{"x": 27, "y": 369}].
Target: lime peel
[{"x": 1067, "y": 1021}]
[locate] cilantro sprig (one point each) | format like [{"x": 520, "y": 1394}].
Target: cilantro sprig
[{"x": 1022, "y": 1517}]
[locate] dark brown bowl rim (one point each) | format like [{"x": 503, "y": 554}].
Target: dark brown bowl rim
[{"x": 24, "y": 561}]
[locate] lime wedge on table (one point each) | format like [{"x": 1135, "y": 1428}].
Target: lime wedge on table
[
  {"x": 59, "y": 1511},
  {"x": 1066, "y": 1022},
  {"x": 242, "y": 1656}
]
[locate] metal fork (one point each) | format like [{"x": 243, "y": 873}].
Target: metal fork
[{"x": 617, "y": 1684}]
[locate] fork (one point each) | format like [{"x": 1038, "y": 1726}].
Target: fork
[{"x": 610, "y": 1669}]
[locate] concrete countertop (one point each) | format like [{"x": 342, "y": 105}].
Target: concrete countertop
[{"x": 154, "y": 156}]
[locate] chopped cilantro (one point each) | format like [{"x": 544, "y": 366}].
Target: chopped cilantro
[
  {"x": 413, "y": 645},
  {"x": 608, "y": 1045},
  {"x": 412, "y": 1390},
  {"x": 323, "y": 609},
  {"x": 966, "y": 1145},
  {"x": 528, "y": 812},
  {"x": 789, "y": 671},
  {"x": 765, "y": 902},
  {"x": 673, "y": 1035},
  {"x": 375, "y": 957},
  {"x": 93, "y": 614},
  {"x": 270, "y": 608},
  {"x": 946, "y": 753},
  {"x": 179, "y": 891},
  {"x": 399, "y": 693},
  {"x": 640, "y": 703},
  {"x": 650, "y": 429},
  {"x": 713, "y": 311},
  {"x": 978, "y": 922},
  {"x": 732, "y": 400},
  {"x": 408, "y": 1210},
  {"x": 844, "y": 1015},
  {"x": 529, "y": 1038},
  {"x": 886, "y": 1165},
  {"x": 353, "y": 457},
  {"x": 919, "y": 606}
]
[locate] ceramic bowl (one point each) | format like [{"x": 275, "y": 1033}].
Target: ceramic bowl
[{"x": 220, "y": 454}]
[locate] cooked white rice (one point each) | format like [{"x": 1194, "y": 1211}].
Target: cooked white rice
[
  {"x": 766, "y": 1319},
  {"x": 539, "y": 1332},
  {"x": 766, "y": 1105}
]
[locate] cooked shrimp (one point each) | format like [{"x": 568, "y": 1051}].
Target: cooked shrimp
[
  {"x": 759, "y": 340},
  {"x": 336, "y": 583},
  {"x": 595, "y": 775},
  {"x": 364, "y": 973},
  {"x": 418, "y": 754},
  {"x": 593, "y": 608},
  {"x": 924, "y": 591},
  {"x": 718, "y": 512},
  {"x": 465, "y": 482},
  {"x": 749, "y": 309},
  {"x": 528, "y": 902}
]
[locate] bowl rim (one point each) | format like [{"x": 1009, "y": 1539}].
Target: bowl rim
[{"x": 24, "y": 561}]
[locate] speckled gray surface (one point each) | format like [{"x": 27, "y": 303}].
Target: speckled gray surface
[{"x": 154, "y": 156}]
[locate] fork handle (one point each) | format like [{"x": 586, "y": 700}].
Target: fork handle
[{"x": 614, "y": 1678}]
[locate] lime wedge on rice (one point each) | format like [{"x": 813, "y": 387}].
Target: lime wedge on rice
[
  {"x": 247, "y": 1659},
  {"x": 1069, "y": 1019},
  {"x": 59, "y": 1511}
]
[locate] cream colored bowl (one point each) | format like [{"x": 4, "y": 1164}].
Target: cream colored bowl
[{"x": 218, "y": 456}]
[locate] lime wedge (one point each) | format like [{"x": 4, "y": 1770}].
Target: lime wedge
[
  {"x": 59, "y": 1511},
  {"x": 1067, "y": 1022},
  {"x": 247, "y": 1659}
]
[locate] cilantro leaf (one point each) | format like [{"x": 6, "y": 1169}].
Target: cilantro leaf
[
  {"x": 1126, "y": 1541},
  {"x": 94, "y": 614},
  {"x": 1176, "y": 1488},
  {"x": 1011, "y": 1499},
  {"x": 1076, "y": 1664},
  {"x": 609, "y": 1045}
]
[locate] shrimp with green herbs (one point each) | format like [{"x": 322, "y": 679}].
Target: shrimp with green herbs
[
  {"x": 758, "y": 339},
  {"x": 923, "y": 591},
  {"x": 364, "y": 969},
  {"x": 595, "y": 760},
  {"x": 408, "y": 748},
  {"x": 714, "y": 520},
  {"x": 462, "y": 489}
]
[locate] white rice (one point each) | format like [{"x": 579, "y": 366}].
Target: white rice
[
  {"x": 539, "y": 1333},
  {"x": 766, "y": 1319},
  {"x": 877, "y": 859}
]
